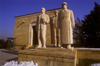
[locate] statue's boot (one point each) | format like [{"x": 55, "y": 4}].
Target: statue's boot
[
  {"x": 44, "y": 46},
  {"x": 59, "y": 45},
  {"x": 55, "y": 45},
  {"x": 69, "y": 47},
  {"x": 39, "y": 46}
]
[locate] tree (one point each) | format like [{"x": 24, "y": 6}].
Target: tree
[
  {"x": 90, "y": 28},
  {"x": 2, "y": 42},
  {"x": 78, "y": 40},
  {"x": 76, "y": 32}
]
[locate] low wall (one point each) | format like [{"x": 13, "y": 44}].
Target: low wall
[
  {"x": 59, "y": 56},
  {"x": 87, "y": 56},
  {"x": 49, "y": 56}
]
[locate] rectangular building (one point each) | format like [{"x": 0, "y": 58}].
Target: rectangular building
[{"x": 25, "y": 33}]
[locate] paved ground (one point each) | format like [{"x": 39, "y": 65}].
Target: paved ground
[{"x": 7, "y": 55}]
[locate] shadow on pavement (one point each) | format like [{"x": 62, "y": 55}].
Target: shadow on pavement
[
  {"x": 15, "y": 59},
  {"x": 10, "y": 51}
]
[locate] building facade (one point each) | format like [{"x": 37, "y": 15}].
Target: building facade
[{"x": 25, "y": 33}]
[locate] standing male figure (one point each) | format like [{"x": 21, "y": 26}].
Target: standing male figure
[
  {"x": 66, "y": 23},
  {"x": 55, "y": 31},
  {"x": 41, "y": 26}
]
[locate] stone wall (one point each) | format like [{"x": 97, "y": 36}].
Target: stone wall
[
  {"x": 86, "y": 57},
  {"x": 82, "y": 57},
  {"x": 49, "y": 56},
  {"x": 22, "y": 30}
]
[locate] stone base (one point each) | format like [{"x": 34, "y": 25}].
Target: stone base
[{"x": 49, "y": 56}]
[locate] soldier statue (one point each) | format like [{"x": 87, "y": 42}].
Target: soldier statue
[
  {"x": 66, "y": 23},
  {"x": 55, "y": 31}
]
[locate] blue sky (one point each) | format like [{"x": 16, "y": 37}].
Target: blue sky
[{"x": 11, "y": 8}]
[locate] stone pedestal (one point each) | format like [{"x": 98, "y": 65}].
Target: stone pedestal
[{"x": 49, "y": 56}]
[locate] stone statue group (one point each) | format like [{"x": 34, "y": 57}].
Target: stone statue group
[{"x": 62, "y": 25}]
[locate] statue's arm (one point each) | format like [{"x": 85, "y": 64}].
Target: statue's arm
[
  {"x": 58, "y": 20},
  {"x": 72, "y": 19}
]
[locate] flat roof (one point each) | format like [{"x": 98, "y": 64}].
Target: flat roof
[{"x": 38, "y": 12}]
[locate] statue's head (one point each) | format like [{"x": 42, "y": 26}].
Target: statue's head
[
  {"x": 64, "y": 5},
  {"x": 56, "y": 12},
  {"x": 43, "y": 10}
]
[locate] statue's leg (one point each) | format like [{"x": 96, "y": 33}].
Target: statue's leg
[
  {"x": 58, "y": 35},
  {"x": 43, "y": 36},
  {"x": 55, "y": 36},
  {"x": 39, "y": 39}
]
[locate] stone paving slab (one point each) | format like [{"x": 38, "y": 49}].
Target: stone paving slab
[{"x": 8, "y": 55}]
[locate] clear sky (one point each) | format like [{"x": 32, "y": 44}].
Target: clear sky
[{"x": 11, "y": 8}]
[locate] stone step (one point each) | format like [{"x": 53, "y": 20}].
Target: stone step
[{"x": 55, "y": 49}]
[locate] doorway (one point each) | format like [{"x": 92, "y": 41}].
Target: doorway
[{"x": 35, "y": 37}]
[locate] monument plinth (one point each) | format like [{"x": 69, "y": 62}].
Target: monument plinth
[
  {"x": 49, "y": 56},
  {"x": 53, "y": 56}
]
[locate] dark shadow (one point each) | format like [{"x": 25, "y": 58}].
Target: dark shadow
[
  {"x": 35, "y": 39},
  {"x": 20, "y": 24},
  {"x": 15, "y": 59},
  {"x": 87, "y": 62},
  {"x": 11, "y": 52}
]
